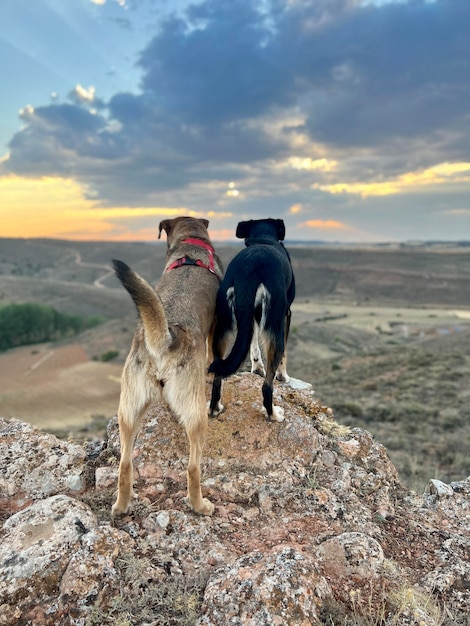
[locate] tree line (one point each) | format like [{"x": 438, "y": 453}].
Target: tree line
[{"x": 23, "y": 324}]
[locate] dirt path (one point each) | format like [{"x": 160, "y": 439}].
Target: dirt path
[
  {"x": 42, "y": 360},
  {"x": 99, "y": 281}
]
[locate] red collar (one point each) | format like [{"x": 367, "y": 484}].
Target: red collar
[{"x": 187, "y": 260}]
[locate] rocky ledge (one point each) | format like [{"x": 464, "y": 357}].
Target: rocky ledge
[{"x": 311, "y": 526}]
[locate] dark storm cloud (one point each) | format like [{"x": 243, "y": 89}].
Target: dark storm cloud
[
  {"x": 161, "y": 133},
  {"x": 216, "y": 67},
  {"x": 393, "y": 79},
  {"x": 57, "y": 138},
  {"x": 359, "y": 74},
  {"x": 401, "y": 70}
]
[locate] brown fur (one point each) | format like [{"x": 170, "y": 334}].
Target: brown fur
[{"x": 168, "y": 356}]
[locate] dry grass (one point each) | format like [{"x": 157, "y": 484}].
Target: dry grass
[
  {"x": 145, "y": 598},
  {"x": 385, "y": 607}
]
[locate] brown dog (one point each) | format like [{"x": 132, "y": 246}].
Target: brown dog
[{"x": 168, "y": 357}]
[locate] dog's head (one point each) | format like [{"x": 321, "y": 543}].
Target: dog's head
[
  {"x": 179, "y": 228},
  {"x": 262, "y": 229}
]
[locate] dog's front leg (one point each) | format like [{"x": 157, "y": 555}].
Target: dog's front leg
[
  {"x": 220, "y": 348},
  {"x": 215, "y": 405},
  {"x": 274, "y": 356},
  {"x": 257, "y": 365},
  {"x": 281, "y": 373}
]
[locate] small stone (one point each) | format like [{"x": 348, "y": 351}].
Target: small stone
[
  {"x": 296, "y": 383},
  {"x": 163, "y": 519},
  {"x": 440, "y": 489},
  {"x": 74, "y": 482},
  {"x": 106, "y": 477}
]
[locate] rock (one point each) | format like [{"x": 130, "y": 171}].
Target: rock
[
  {"x": 350, "y": 556},
  {"x": 36, "y": 464},
  {"x": 106, "y": 477},
  {"x": 91, "y": 572},
  {"x": 282, "y": 587},
  {"x": 311, "y": 526},
  {"x": 295, "y": 383},
  {"x": 440, "y": 489},
  {"x": 55, "y": 560},
  {"x": 36, "y": 547}
]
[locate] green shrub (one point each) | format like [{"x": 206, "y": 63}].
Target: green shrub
[
  {"x": 29, "y": 323},
  {"x": 109, "y": 355}
]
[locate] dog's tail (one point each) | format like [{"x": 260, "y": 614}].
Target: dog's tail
[
  {"x": 245, "y": 305},
  {"x": 148, "y": 305}
]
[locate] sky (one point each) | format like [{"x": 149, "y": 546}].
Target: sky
[{"x": 348, "y": 119}]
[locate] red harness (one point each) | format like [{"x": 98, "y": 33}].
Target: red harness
[{"x": 187, "y": 260}]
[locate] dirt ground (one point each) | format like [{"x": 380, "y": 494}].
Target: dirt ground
[{"x": 57, "y": 387}]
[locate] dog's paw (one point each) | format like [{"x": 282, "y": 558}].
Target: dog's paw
[
  {"x": 258, "y": 368},
  {"x": 282, "y": 376},
  {"x": 278, "y": 414},
  {"x": 122, "y": 506},
  {"x": 216, "y": 410},
  {"x": 205, "y": 507},
  {"x": 119, "y": 509}
]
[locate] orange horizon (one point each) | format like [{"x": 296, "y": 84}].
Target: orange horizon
[{"x": 54, "y": 208}]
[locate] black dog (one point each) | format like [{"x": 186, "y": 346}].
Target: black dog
[{"x": 255, "y": 295}]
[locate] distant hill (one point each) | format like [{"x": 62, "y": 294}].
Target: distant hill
[{"x": 67, "y": 274}]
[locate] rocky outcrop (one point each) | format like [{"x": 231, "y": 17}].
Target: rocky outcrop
[{"x": 311, "y": 526}]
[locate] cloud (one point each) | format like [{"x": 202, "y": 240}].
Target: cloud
[
  {"x": 307, "y": 163},
  {"x": 332, "y": 95},
  {"x": 388, "y": 71},
  {"x": 80, "y": 94},
  {"x": 459, "y": 212},
  {"x": 441, "y": 174},
  {"x": 121, "y": 3}
]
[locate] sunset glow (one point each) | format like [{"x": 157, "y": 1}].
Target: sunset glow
[
  {"x": 413, "y": 181},
  {"x": 56, "y": 207},
  {"x": 325, "y": 225}
]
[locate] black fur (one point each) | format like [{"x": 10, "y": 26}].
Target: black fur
[{"x": 266, "y": 262}]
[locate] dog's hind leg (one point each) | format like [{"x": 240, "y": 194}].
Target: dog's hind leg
[
  {"x": 274, "y": 354},
  {"x": 257, "y": 366},
  {"x": 186, "y": 396},
  {"x": 132, "y": 405},
  {"x": 196, "y": 432}
]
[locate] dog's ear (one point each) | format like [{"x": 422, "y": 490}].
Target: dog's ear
[
  {"x": 204, "y": 221},
  {"x": 165, "y": 225},
  {"x": 280, "y": 230},
  {"x": 243, "y": 229}
]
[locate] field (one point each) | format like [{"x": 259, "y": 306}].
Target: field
[
  {"x": 57, "y": 388},
  {"x": 382, "y": 333}
]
